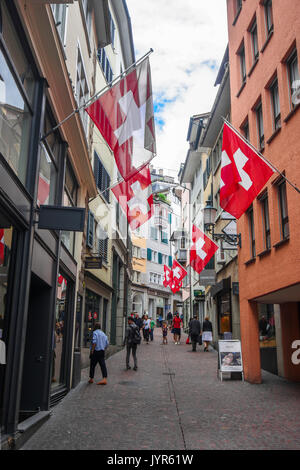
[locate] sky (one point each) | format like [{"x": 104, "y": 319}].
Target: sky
[{"x": 189, "y": 38}]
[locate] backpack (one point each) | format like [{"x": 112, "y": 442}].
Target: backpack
[{"x": 135, "y": 335}]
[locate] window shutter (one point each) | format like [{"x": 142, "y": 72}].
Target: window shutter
[
  {"x": 96, "y": 169},
  {"x": 159, "y": 258},
  {"x": 143, "y": 253},
  {"x": 149, "y": 254},
  {"x": 170, "y": 218},
  {"x": 170, "y": 262}
]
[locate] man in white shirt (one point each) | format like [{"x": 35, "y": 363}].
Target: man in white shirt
[{"x": 99, "y": 344}]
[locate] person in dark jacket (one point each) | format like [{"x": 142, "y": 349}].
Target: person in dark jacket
[
  {"x": 194, "y": 331},
  {"x": 131, "y": 346},
  {"x": 206, "y": 333}
]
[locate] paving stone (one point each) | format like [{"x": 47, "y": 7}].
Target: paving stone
[{"x": 174, "y": 401}]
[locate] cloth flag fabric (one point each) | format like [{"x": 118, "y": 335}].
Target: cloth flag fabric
[
  {"x": 124, "y": 115},
  {"x": 2, "y": 246},
  {"x": 179, "y": 274},
  {"x": 202, "y": 250},
  {"x": 168, "y": 277},
  {"x": 243, "y": 174},
  {"x": 136, "y": 198}
]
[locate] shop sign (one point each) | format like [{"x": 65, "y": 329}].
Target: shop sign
[
  {"x": 199, "y": 293},
  {"x": 93, "y": 262},
  {"x": 230, "y": 356},
  {"x": 70, "y": 219}
]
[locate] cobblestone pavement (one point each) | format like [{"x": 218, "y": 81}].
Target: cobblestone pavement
[{"x": 174, "y": 401}]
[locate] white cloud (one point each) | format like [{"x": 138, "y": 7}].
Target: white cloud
[{"x": 189, "y": 37}]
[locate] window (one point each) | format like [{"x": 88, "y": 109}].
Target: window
[
  {"x": 283, "y": 209},
  {"x": 260, "y": 126},
  {"x": 60, "y": 16},
  {"x": 242, "y": 57},
  {"x": 164, "y": 237},
  {"x": 275, "y": 104},
  {"x": 245, "y": 130},
  {"x": 153, "y": 233},
  {"x": 70, "y": 200},
  {"x": 293, "y": 74},
  {"x": 266, "y": 221},
  {"x": 47, "y": 178},
  {"x": 87, "y": 15},
  {"x": 17, "y": 86},
  {"x": 251, "y": 232},
  {"x": 102, "y": 177},
  {"x": 82, "y": 90},
  {"x": 105, "y": 65},
  {"x": 90, "y": 230},
  {"x": 268, "y": 16},
  {"x": 254, "y": 41}
]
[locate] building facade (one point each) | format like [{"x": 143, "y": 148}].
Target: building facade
[
  {"x": 264, "y": 74},
  {"x": 48, "y": 68}
]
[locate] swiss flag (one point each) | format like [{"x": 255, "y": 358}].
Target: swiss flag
[
  {"x": 168, "y": 277},
  {"x": 202, "y": 250},
  {"x": 136, "y": 198},
  {"x": 124, "y": 115},
  {"x": 179, "y": 274},
  {"x": 243, "y": 174},
  {"x": 2, "y": 246}
]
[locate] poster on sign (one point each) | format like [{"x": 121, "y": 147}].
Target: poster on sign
[{"x": 230, "y": 356}]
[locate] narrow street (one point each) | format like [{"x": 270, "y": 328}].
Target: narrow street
[{"x": 173, "y": 402}]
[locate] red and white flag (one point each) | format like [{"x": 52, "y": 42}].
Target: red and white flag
[
  {"x": 168, "y": 277},
  {"x": 179, "y": 274},
  {"x": 124, "y": 116},
  {"x": 136, "y": 198},
  {"x": 202, "y": 250},
  {"x": 2, "y": 246},
  {"x": 243, "y": 174}
]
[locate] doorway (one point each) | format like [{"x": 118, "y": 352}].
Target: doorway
[{"x": 34, "y": 391}]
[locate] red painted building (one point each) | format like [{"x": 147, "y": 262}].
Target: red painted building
[{"x": 264, "y": 55}]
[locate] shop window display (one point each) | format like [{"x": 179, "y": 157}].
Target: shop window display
[
  {"x": 5, "y": 257},
  {"x": 266, "y": 325},
  {"x": 59, "y": 330},
  {"x": 92, "y": 315}
]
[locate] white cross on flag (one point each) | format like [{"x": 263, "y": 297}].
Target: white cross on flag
[
  {"x": 2, "y": 246},
  {"x": 168, "y": 276},
  {"x": 202, "y": 250},
  {"x": 243, "y": 174},
  {"x": 124, "y": 116},
  {"x": 136, "y": 198},
  {"x": 179, "y": 274}
]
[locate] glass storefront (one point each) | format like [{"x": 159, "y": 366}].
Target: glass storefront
[
  {"x": 224, "y": 313},
  {"x": 59, "y": 332},
  {"x": 5, "y": 261},
  {"x": 267, "y": 338},
  {"x": 92, "y": 315}
]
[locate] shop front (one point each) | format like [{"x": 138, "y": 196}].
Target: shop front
[{"x": 221, "y": 292}]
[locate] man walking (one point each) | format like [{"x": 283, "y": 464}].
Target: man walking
[
  {"x": 97, "y": 355},
  {"x": 132, "y": 339},
  {"x": 194, "y": 331}
]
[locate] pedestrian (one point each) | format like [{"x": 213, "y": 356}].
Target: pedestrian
[
  {"x": 165, "y": 333},
  {"x": 142, "y": 326},
  {"x": 160, "y": 319},
  {"x": 146, "y": 329},
  {"x": 194, "y": 331},
  {"x": 132, "y": 339},
  {"x": 206, "y": 333},
  {"x": 170, "y": 318},
  {"x": 152, "y": 326},
  {"x": 97, "y": 355},
  {"x": 177, "y": 322}
]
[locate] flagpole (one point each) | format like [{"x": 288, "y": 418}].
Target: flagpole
[
  {"x": 260, "y": 154},
  {"x": 96, "y": 96}
]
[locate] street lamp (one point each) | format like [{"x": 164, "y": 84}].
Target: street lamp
[{"x": 209, "y": 216}]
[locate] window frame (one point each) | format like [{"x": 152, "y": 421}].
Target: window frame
[
  {"x": 260, "y": 124},
  {"x": 275, "y": 117},
  {"x": 242, "y": 59},
  {"x": 250, "y": 217},
  {"x": 254, "y": 40},
  {"x": 283, "y": 210},
  {"x": 292, "y": 59},
  {"x": 268, "y": 9},
  {"x": 264, "y": 201}
]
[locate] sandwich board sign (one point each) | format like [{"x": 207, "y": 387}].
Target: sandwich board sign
[{"x": 230, "y": 357}]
